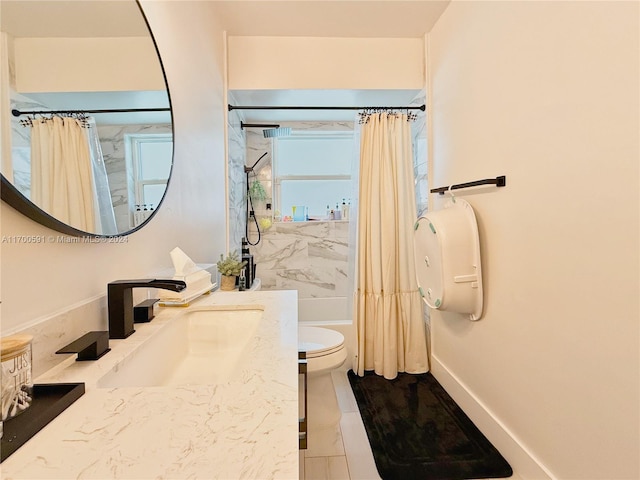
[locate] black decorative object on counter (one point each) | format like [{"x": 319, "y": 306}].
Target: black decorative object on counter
[
  {"x": 49, "y": 401},
  {"x": 249, "y": 267}
]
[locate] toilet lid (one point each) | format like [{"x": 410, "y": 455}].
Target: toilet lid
[{"x": 317, "y": 341}]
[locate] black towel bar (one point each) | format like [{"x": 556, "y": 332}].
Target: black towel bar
[{"x": 500, "y": 181}]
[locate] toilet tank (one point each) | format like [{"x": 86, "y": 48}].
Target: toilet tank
[{"x": 447, "y": 258}]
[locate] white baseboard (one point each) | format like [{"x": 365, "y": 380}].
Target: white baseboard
[{"x": 522, "y": 461}]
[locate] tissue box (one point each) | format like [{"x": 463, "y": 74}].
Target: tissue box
[
  {"x": 198, "y": 283},
  {"x": 197, "y": 278}
]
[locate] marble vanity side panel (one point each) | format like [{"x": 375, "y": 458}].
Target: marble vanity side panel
[
  {"x": 54, "y": 332},
  {"x": 237, "y": 182}
]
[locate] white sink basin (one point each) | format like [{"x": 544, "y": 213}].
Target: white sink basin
[{"x": 206, "y": 345}]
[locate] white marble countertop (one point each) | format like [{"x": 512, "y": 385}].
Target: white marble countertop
[{"x": 244, "y": 428}]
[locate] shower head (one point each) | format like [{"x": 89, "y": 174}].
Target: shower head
[
  {"x": 277, "y": 132},
  {"x": 270, "y": 130}
]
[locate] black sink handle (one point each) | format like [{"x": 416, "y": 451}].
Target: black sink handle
[{"x": 90, "y": 346}]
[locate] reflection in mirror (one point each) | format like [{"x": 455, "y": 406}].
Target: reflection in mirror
[{"x": 91, "y": 139}]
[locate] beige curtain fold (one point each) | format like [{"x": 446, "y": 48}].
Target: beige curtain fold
[
  {"x": 388, "y": 308},
  {"x": 6, "y": 81},
  {"x": 61, "y": 175}
]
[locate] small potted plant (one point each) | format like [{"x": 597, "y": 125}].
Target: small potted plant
[
  {"x": 229, "y": 267},
  {"x": 257, "y": 191}
]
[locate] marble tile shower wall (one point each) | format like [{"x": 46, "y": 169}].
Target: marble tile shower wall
[
  {"x": 419, "y": 134},
  {"x": 121, "y": 180},
  {"x": 310, "y": 257},
  {"x": 237, "y": 182}
]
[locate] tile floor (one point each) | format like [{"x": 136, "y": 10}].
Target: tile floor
[{"x": 341, "y": 452}]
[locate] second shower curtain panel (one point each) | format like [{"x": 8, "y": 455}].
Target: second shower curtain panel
[{"x": 388, "y": 308}]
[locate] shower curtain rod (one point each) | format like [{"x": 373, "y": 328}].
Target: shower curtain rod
[
  {"x": 17, "y": 113},
  {"x": 255, "y": 107}
]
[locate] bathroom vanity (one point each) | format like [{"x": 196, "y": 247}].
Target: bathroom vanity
[{"x": 243, "y": 425}]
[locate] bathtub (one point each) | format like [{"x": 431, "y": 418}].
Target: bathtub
[{"x": 329, "y": 312}]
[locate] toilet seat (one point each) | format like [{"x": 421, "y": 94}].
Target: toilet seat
[
  {"x": 312, "y": 354},
  {"x": 318, "y": 342},
  {"x": 324, "y": 348}
]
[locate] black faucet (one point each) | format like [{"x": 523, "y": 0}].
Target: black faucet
[{"x": 120, "y": 302}]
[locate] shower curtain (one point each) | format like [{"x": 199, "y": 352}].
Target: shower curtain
[
  {"x": 106, "y": 218},
  {"x": 6, "y": 163},
  {"x": 61, "y": 174},
  {"x": 388, "y": 308}
]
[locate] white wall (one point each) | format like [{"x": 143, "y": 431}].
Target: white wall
[
  {"x": 325, "y": 63},
  {"x": 38, "y": 280},
  {"x": 86, "y": 64},
  {"x": 546, "y": 93}
]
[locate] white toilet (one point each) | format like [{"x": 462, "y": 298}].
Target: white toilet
[{"x": 325, "y": 351}]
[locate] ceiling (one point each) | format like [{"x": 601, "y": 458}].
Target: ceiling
[{"x": 317, "y": 18}]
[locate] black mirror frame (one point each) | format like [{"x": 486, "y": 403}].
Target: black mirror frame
[{"x": 12, "y": 196}]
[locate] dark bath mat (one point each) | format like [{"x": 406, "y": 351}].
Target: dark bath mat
[{"x": 417, "y": 431}]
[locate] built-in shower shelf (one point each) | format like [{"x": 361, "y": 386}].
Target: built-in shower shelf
[{"x": 49, "y": 401}]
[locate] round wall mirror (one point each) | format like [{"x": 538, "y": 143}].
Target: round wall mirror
[{"x": 87, "y": 132}]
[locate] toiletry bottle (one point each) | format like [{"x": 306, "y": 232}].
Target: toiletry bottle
[
  {"x": 337, "y": 214},
  {"x": 328, "y": 212},
  {"x": 242, "y": 282},
  {"x": 248, "y": 269}
]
